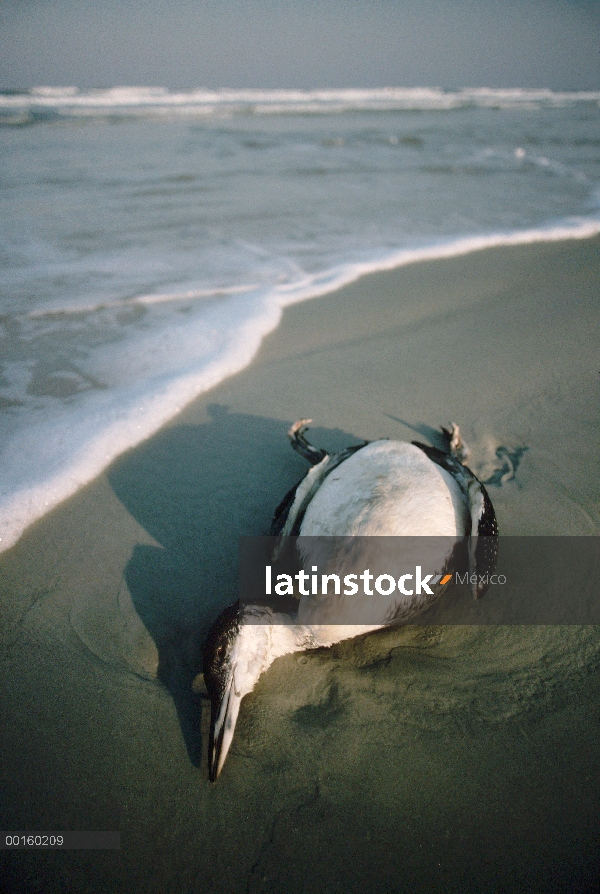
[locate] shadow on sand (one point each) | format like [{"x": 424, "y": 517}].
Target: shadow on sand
[{"x": 195, "y": 490}]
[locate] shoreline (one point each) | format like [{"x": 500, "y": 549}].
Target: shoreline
[
  {"x": 428, "y": 757},
  {"x": 33, "y": 503}
]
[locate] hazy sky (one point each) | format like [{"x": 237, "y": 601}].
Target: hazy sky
[{"x": 306, "y": 43}]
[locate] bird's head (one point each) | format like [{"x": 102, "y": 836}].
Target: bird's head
[{"x": 235, "y": 655}]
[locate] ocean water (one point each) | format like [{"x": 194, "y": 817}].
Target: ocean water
[{"x": 151, "y": 239}]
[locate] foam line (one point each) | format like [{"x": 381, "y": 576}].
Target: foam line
[
  {"x": 332, "y": 280},
  {"x": 76, "y": 450}
]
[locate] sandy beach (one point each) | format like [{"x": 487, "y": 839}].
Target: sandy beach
[{"x": 424, "y": 759}]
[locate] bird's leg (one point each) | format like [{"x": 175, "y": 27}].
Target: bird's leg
[
  {"x": 456, "y": 445},
  {"x": 301, "y": 445}
]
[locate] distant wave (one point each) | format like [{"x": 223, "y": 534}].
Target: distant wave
[{"x": 46, "y": 103}]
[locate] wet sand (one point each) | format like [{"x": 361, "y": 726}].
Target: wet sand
[{"x": 424, "y": 759}]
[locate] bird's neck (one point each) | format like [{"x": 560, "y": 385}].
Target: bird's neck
[
  {"x": 275, "y": 633},
  {"x": 267, "y": 635}
]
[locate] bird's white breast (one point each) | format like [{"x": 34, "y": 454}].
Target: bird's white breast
[{"x": 387, "y": 488}]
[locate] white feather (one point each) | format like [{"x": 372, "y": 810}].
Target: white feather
[{"x": 387, "y": 488}]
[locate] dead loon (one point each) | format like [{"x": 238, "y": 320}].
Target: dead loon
[{"x": 378, "y": 488}]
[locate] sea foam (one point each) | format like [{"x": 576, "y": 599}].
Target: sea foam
[{"x": 49, "y": 461}]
